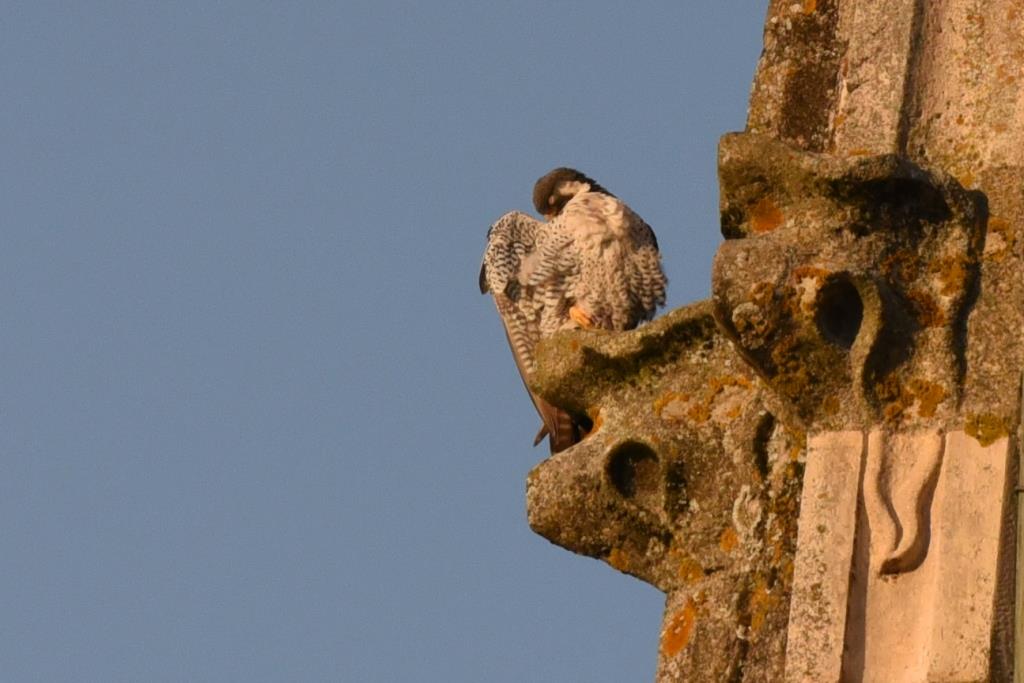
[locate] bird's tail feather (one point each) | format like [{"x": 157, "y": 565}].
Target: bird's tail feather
[{"x": 559, "y": 426}]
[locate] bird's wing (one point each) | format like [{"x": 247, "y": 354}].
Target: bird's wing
[
  {"x": 647, "y": 280},
  {"x": 524, "y": 268}
]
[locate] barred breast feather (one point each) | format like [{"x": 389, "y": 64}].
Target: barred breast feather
[{"x": 621, "y": 283}]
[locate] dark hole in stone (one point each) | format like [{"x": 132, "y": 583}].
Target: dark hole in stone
[
  {"x": 675, "y": 488},
  {"x": 762, "y": 435},
  {"x": 840, "y": 311},
  {"x": 583, "y": 423},
  {"x": 633, "y": 469}
]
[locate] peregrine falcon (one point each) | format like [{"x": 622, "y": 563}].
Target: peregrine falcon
[{"x": 592, "y": 264}]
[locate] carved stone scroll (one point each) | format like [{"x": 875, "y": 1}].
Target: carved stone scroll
[{"x": 859, "y": 616}]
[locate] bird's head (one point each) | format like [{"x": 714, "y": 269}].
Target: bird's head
[{"x": 553, "y": 191}]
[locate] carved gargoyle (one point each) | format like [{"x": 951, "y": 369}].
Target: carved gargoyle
[
  {"x": 846, "y": 282},
  {"x": 686, "y": 481}
]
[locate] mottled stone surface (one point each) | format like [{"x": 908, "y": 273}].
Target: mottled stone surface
[
  {"x": 870, "y": 283},
  {"x": 687, "y": 481}
]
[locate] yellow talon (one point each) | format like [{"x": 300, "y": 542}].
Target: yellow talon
[{"x": 580, "y": 317}]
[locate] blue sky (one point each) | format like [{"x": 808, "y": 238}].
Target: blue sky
[{"x": 256, "y": 421}]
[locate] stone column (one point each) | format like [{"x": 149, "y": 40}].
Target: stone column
[{"x": 936, "y": 82}]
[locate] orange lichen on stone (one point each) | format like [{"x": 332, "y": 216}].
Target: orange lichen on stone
[
  {"x": 928, "y": 394},
  {"x": 671, "y": 405},
  {"x": 952, "y": 274},
  {"x": 791, "y": 377},
  {"x": 619, "y": 559},
  {"x": 716, "y": 384},
  {"x": 596, "y": 420},
  {"x": 986, "y": 428},
  {"x": 830, "y": 405},
  {"x": 803, "y": 272},
  {"x": 898, "y": 397},
  {"x": 699, "y": 413},
  {"x": 690, "y": 570},
  {"x": 726, "y": 397},
  {"x": 786, "y": 571},
  {"x": 798, "y": 444},
  {"x": 929, "y": 313},
  {"x": 810, "y": 6},
  {"x": 762, "y": 601},
  {"x": 765, "y": 216},
  {"x": 778, "y": 550},
  {"x": 901, "y": 265},
  {"x": 728, "y": 540},
  {"x": 893, "y": 411},
  {"x": 895, "y": 396},
  {"x": 678, "y": 406},
  {"x": 679, "y": 630}
]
